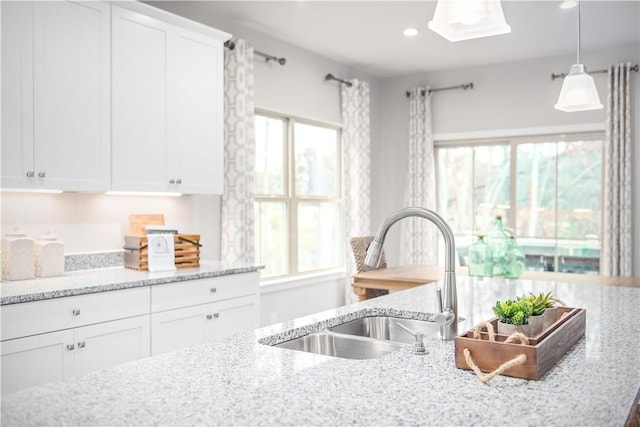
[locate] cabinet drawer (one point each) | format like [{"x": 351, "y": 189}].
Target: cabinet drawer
[
  {"x": 30, "y": 318},
  {"x": 193, "y": 292}
]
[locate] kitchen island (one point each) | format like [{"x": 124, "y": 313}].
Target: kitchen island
[{"x": 239, "y": 381}]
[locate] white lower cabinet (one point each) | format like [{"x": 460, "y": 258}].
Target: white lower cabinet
[
  {"x": 59, "y": 355},
  {"x": 36, "y": 360},
  {"x": 55, "y": 339},
  {"x": 197, "y": 311},
  {"x": 198, "y": 324}
]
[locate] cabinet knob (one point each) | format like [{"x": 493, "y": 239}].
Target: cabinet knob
[
  {"x": 30, "y": 174},
  {"x": 209, "y": 316},
  {"x": 70, "y": 347},
  {"x": 76, "y": 312},
  {"x": 179, "y": 181},
  {"x": 81, "y": 344},
  {"x": 172, "y": 181},
  {"x": 41, "y": 174},
  {"x": 213, "y": 290}
]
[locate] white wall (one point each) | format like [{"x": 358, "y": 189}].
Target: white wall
[
  {"x": 517, "y": 95},
  {"x": 98, "y": 222}
]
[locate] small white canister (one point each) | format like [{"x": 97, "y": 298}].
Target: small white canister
[
  {"x": 49, "y": 256},
  {"x": 17, "y": 256}
]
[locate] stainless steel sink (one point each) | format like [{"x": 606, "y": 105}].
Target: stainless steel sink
[
  {"x": 340, "y": 345},
  {"x": 386, "y": 328}
]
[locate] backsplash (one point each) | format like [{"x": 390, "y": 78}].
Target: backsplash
[{"x": 93, "y": 260}]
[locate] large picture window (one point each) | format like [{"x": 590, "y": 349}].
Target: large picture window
[
  {"x": 298, "y": 197},
  {"x": 547, "y": 190}
]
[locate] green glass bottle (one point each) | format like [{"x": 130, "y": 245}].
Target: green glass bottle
[
  {"x": 497, "y": 240},
  {"x": 512, "y": 260},
  {"x": 480, "y": 258}
]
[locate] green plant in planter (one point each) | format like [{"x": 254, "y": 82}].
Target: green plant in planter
[
  {"x": 540, "y": 302},
  {"x": 515, "y": 312}
]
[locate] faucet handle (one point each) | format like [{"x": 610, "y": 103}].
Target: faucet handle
[
  {"x": 418, "y": 346},
  {"x": 444, "y": 317}
]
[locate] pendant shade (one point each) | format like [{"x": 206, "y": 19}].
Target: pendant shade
[
  {"x": 457, "y": 20},
  {"x": 578, "y": 92}
]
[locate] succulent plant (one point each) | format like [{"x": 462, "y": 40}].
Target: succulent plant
[
  {"x": 540, "y": 302},
  {"x": 516, "y": 312}
]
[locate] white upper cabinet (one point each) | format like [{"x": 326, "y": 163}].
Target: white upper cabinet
[
  {"x": 56, "y": 95},
  {"x": 196, "y": 112},
  {"x": 139, "y": 76},
  {"x": 167, "y": 104}
]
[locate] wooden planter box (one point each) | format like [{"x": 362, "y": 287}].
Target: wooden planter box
[
  {"x": 186, "y": 248},
  {"x": 543, "y": 351}
]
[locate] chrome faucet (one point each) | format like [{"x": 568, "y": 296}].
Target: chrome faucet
[{"x": 447, "y": 316}]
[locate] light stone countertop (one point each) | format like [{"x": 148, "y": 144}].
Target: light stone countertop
[
  {"x": 238, "y": 381},
  {"x": 107, "y": 279}
]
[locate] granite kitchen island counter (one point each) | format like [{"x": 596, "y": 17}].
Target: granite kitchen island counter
[{"x": 238, "y": 381}]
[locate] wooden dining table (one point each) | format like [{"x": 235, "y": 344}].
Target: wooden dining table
[{"x": 408, "y": 276}]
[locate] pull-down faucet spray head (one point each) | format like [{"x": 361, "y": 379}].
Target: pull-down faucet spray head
[{"x": 448, "y": 302}]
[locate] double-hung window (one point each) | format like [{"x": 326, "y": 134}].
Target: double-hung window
[
  {"x": 547, "y": 190},
  {"x": 298, "y": 195}
]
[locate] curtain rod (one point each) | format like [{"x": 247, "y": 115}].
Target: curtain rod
[
  {"x": 464, "y": 86},
  {"x": 231, "y": 45},
  {"x": 563, "y": 75},
  {"x": 332, "y": 77}
]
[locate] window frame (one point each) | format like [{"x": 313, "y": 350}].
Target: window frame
[
  {"x": 512, "y": 142},
  {"x": 291, "y": 200}
]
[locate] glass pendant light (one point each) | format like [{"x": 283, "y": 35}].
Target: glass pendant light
[
  {"x": 457, "y": 20},
  {"x": 578, "y": 91}
]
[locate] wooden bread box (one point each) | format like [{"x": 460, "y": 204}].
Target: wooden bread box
[
  {"x": 186, "y": 246},
  {"x": 543, "y": 351}
]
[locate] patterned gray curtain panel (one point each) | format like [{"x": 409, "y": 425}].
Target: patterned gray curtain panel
[
  {"x": 237, "y": 228},
  {"x": 616, "y": 244},
  {"x": 419, "y": 238},
  {"x": 357, "y": 175}
]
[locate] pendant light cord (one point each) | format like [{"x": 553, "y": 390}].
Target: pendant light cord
[{"x": 578, "y": 34}]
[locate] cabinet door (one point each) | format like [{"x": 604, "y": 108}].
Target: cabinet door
[
  {"x": 139, "y": 102},
  {"x": 71, "y": 79},
  {"x": 195, "y": 105},
  {"x": 233, "y": 317},
  {"x": 36, "y": 360},
  {"x": 108, "y": 344},
  {"x": 174, "y": 329},
  {"x": 17, "y": 94}
]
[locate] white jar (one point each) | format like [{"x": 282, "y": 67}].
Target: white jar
[
  {"x": 49, "y": 256},
  {"x": 17, "y": 256}
]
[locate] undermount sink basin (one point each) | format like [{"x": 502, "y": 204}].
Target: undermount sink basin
[
  {"x": 340, "y": 345},
  {"x": 386, "y": 328},
  {"x": 368, "y": 337}
]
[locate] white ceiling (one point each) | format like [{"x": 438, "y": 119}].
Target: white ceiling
[{"x": 368, "y": 34}]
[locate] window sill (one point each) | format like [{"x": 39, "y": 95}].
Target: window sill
[{"x": 292, "y": 282}]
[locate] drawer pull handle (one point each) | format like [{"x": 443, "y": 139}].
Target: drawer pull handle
[
  {"x": 81, "y": 344},
  {"x": 76, "y": 312},
  {"x": 70, "y": 347},
  {"x": 213, "y": 290}
]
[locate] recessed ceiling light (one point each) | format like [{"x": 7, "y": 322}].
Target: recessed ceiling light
[
  {"x": 568, "y": 4},
  {"x": 410, "y": 32}
]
